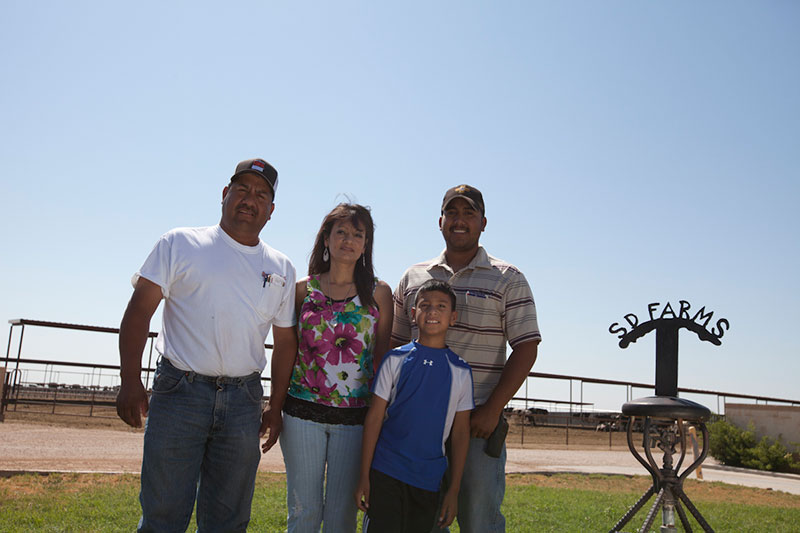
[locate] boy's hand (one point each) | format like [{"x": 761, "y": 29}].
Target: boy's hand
[
  {"x": 362, "y": 494},
  {"x": 449, "y": 509}
]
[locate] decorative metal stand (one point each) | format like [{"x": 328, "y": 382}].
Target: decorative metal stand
[
  {"x": 665, "y": 426},
  {"x": 664, "y": 421}
]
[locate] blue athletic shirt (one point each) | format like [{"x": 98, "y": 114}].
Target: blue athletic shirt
[{"x": 425, "y": 387}]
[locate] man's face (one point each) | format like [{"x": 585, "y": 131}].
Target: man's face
[
  {"x": 247, "y": 204},
  {"x": 434, "y": 313},
  {"x": 461, "y": 225}
]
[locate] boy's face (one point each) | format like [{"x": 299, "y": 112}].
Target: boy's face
[{"x": 434, "y": 313}]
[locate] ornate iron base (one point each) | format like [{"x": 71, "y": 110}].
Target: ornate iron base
[{"x": 664, "y": 426}]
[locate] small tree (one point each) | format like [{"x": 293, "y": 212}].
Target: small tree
[{"x": 734, "y": 446}]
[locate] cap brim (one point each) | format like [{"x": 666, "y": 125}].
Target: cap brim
[
  {"x": 251, "y": 171},
  {"x": 469, "y": 200}
]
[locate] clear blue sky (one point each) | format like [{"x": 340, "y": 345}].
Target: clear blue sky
[{"x": 628, "y": 152}]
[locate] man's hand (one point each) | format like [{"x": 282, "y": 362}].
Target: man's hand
[
  {"x": 483, "y": 420},
  {"x": 132, "y": 402},
  {"x": 485, "y": 417},
  {"x": 271, "y": 425},
  {"x": 284, "y": 352}
]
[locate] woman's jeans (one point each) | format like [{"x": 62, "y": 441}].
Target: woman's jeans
[
  {"x": 310, "y": 450},
  {"x": 201, "y": 440}
]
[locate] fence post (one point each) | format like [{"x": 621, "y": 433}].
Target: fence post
[
  {"x": 524, "y": 415},
  {"x": 2, "y": 393},
  {"x": 569, "y": 416}
]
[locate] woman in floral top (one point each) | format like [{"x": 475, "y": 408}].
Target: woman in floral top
[{"x": 344, "y": 324}]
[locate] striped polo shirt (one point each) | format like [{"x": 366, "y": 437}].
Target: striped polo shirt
[{"x": 494, "y": 303}]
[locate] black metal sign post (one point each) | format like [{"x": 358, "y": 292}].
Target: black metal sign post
[{"x": 664, "y": 415}]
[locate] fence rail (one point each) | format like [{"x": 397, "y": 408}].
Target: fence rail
[{"x": 56, "y": 384}]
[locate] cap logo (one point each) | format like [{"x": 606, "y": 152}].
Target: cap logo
[
  {"x": 461, "y": 189},
  {"x": 258, "y": 165}
]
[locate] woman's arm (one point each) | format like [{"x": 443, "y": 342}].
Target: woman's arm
[{"x": 300, "y": 290}]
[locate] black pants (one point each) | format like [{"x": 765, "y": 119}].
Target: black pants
[{"x": 397, "y": 507}]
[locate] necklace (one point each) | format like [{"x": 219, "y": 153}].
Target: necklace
[{"x": 330, "y": 300}]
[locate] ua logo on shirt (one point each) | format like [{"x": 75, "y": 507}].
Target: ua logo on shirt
[{"x": 427, "y": 362}]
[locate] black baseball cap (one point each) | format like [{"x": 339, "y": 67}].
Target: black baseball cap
[
  {"x": 468, "y": 193},
  {"x": 261, "y": 168}
]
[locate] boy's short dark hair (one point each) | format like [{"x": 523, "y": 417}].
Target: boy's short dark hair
[{"x": 434, "y": 285}]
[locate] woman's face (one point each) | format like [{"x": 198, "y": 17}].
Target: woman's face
[{"x": 346, "y": 241}]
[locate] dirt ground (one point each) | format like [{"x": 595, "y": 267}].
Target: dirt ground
[
  {"x": 34, "y": 439},
  {"x": 36, "y": 442}
]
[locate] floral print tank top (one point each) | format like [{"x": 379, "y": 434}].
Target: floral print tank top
[{"x": 334, "y": 359}]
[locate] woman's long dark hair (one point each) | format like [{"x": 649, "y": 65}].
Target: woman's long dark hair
[{"x": 364, "y": 274}]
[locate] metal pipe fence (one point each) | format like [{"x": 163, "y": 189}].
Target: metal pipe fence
[{"x": 89, "y": 389}]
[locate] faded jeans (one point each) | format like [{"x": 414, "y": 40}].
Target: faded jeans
[
  {"x": 310, "y": 451},
  {"x": 201, "y": 441}
]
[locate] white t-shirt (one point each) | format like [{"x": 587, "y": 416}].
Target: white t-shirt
[{"x": 221, "y": 298}]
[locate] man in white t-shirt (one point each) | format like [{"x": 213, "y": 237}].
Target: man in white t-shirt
[{"x": 223, "y": 290}]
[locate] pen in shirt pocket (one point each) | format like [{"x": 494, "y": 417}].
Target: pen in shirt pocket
[{"x": 272, "y": 278}]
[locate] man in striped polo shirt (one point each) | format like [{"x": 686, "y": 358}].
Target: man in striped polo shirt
[{"x": 495, "y": 306}]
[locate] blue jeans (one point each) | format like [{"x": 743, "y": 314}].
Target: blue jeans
[
  {"x": 201, "y": 441},
  {"x": 483, "y": 487},
  {"x": 309, "y": 450}
]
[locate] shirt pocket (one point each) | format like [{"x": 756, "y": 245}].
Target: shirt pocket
[{"x": 270, "y": 299}]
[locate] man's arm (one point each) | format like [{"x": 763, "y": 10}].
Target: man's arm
[
  {"x": 372, "y": 429},
  {"x": 284, "y": 351},
  {"x": 484, "y": 417},
  {"x": 383, "y": 297},
  {"x": 401, "y": 327},
  {"x": 132, "y": 401}
]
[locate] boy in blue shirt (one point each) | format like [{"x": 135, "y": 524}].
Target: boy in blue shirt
[{"x": 421, "y": 395}]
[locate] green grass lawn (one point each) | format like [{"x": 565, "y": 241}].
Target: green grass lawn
[{"x": 535, "y": 503}]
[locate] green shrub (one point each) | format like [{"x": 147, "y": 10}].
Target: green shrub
[{"x": 734, "y": 446}]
